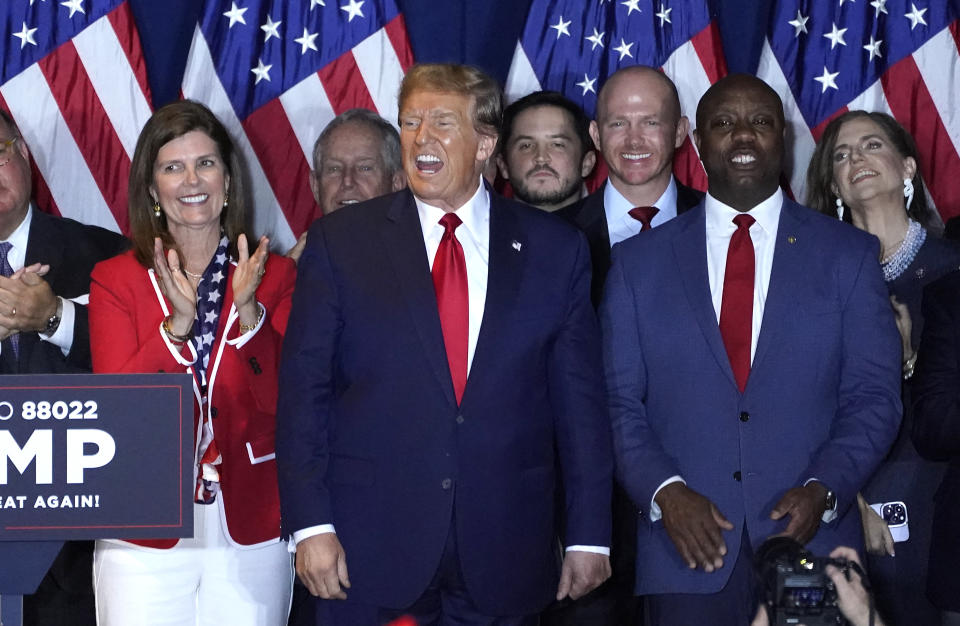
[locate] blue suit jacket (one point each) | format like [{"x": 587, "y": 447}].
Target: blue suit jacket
[
  {"x": 822, "y": 399},
  {"x": 369, "y": 434}
]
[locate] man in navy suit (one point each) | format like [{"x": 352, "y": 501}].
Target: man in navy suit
[
  {"x": 441, "y": 365},
  {"x": 752, "y": 367}
]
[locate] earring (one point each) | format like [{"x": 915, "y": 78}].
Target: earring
[
  {"x": 156, "y": 209},
  {"x": 224, "y": 203},
  {"x": 839, "y": 209},
  {"x": 908, "y": 191}
]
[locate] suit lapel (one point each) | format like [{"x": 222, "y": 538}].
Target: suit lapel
[
  {"x": 402, "y": 238},
  {"x": 507, "y": 249},
  {"x": 789, "y": 253},
  {"x": 690, "y": 251}
]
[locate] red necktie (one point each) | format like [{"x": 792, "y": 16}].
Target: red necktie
[
  {"x": 736, "y": 308},
  {"x": 450, "y": 283},
  {"x": 644, "y": 215}
]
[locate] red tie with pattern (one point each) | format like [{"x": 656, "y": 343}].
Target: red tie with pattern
[
  {"x": 450, "y": 283},
  {"x": 644, "y": 215},
  {"x": 736, "y": 308}
]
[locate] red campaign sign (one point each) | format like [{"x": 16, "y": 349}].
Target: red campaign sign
[{"x": 96, "y": 456}]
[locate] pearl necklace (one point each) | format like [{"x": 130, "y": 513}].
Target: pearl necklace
[{"x": 898, "y": 262}]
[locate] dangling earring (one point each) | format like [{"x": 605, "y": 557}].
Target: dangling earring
[
  {"x": 156, "y": 209},
  {"x": 908, "y": 191},
  {"x": 839, "y": 209},
  {"x": 224, "y": 203}
]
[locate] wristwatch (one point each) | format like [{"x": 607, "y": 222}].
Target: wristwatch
[
  {"x": 54, "y": 322},
  {"x": 830, "y": 500}
]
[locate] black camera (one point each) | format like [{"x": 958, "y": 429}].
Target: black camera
[{"x": 795, "y": 586}]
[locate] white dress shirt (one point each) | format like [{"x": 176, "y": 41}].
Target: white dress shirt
[
  {"x": 620, "y": 225},
  {"x": 16, "y": 257},
  {"x": 474, "y": 237}
]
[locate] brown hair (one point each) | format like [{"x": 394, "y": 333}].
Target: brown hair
[
  {"x": 166, "y": 124},
  {"x": 820, "y": 194},
  {"x": 459, "y": 79}
]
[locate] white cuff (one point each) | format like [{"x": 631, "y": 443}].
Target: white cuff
[
  {"x": 63, "y": 336},
  {"x": 310, "y": 531},
  {"x": 239, "y": 341},
  {"x": 175, "y": 348},
  {"x": 594, "y": 549},
  {"x": 655, "y": 512}
]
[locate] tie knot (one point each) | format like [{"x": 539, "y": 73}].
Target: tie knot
[
  {"x": 5, "y": 249},
  {"x": 744, "y": 221},
  {"x": 450, "y": 221},
  {"x": 644, "y": 215}
]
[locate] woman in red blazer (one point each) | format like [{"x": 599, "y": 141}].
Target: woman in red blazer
[{"x": 190, "y": 297}]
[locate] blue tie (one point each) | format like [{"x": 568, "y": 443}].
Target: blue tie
[{"x": 6, "y": 270}]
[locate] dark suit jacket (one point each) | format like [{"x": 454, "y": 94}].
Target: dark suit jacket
[
  {"x": 936, "y": 430},
  {"x": 71, "y": 249},
  {"x": 370, "y": 437},
  {"x": 822, "y": 399},
  {"x": 589, "y": 216}
]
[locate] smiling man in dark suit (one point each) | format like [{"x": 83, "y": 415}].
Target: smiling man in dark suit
[
  {"x": 43, "y": 327},
  {"x": 753, "y": 371},
  {"x": 441, "y": 365},
  {"x": 638, "y": 129}
]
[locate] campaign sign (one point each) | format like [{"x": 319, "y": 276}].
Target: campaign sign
[{"x": 86, "y": 456}]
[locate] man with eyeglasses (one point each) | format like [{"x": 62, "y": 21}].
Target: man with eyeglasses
[{"x": 45, "y": 264}]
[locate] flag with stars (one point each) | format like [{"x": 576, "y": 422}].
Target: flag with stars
[
  {"x": 895, "y": 56},
  {"x": 573, "y": 46},
  {"x": 277, "y": 71},
  {"x": 74, "y": 80}
]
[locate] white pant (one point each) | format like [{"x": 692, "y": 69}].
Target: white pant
[{"x": 203, "y": 581}]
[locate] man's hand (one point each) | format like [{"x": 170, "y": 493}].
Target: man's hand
[
  {"x": 26, "y": 302},
  {"x": 582, "y": 572},
  {"x": 805, "y": 506},
  {"x": 322, "y": 566},
  {"x": 695, "y": 526}
]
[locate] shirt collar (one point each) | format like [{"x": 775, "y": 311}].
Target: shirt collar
[
  {"x": 767, "y": 213},
  {"x": 616, "y": 205},
  {"x": 18, "y": 238},
  {"x": 475, "y": 215}
]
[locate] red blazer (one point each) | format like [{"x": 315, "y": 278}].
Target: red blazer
[{"x": 126, "y": 310}]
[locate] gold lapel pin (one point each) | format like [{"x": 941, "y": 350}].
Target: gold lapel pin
[{"x": 791, "y": 239}]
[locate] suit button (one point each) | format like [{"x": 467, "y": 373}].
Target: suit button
[
  {"x": 744, "y": 416},
  {"x": 213, "y": 411},
  {"x": 446, "y": 483},
  {"x": 460, "y": 419},
  {"x": 736, "y": 476}
]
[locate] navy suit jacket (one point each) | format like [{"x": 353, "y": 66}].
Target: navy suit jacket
[
  {"x": 822, "y": 400},
  {"x": 590, "y": 216},
  {"x": 370, "y": 437}
]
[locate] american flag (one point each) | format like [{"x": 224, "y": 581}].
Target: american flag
[
  {"x": 74, "y": 80},
  {"x": 896, "y": 56},
  {"x": 572, "y": 46},
  {"x": 277, "y": 71}
]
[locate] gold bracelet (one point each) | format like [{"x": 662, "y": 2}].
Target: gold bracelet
[
  {"x": 168, "y": 329},
  {"x": 244, "y": 329}
]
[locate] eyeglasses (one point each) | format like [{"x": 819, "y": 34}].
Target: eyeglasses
[{"x": 6, "y": 150}]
